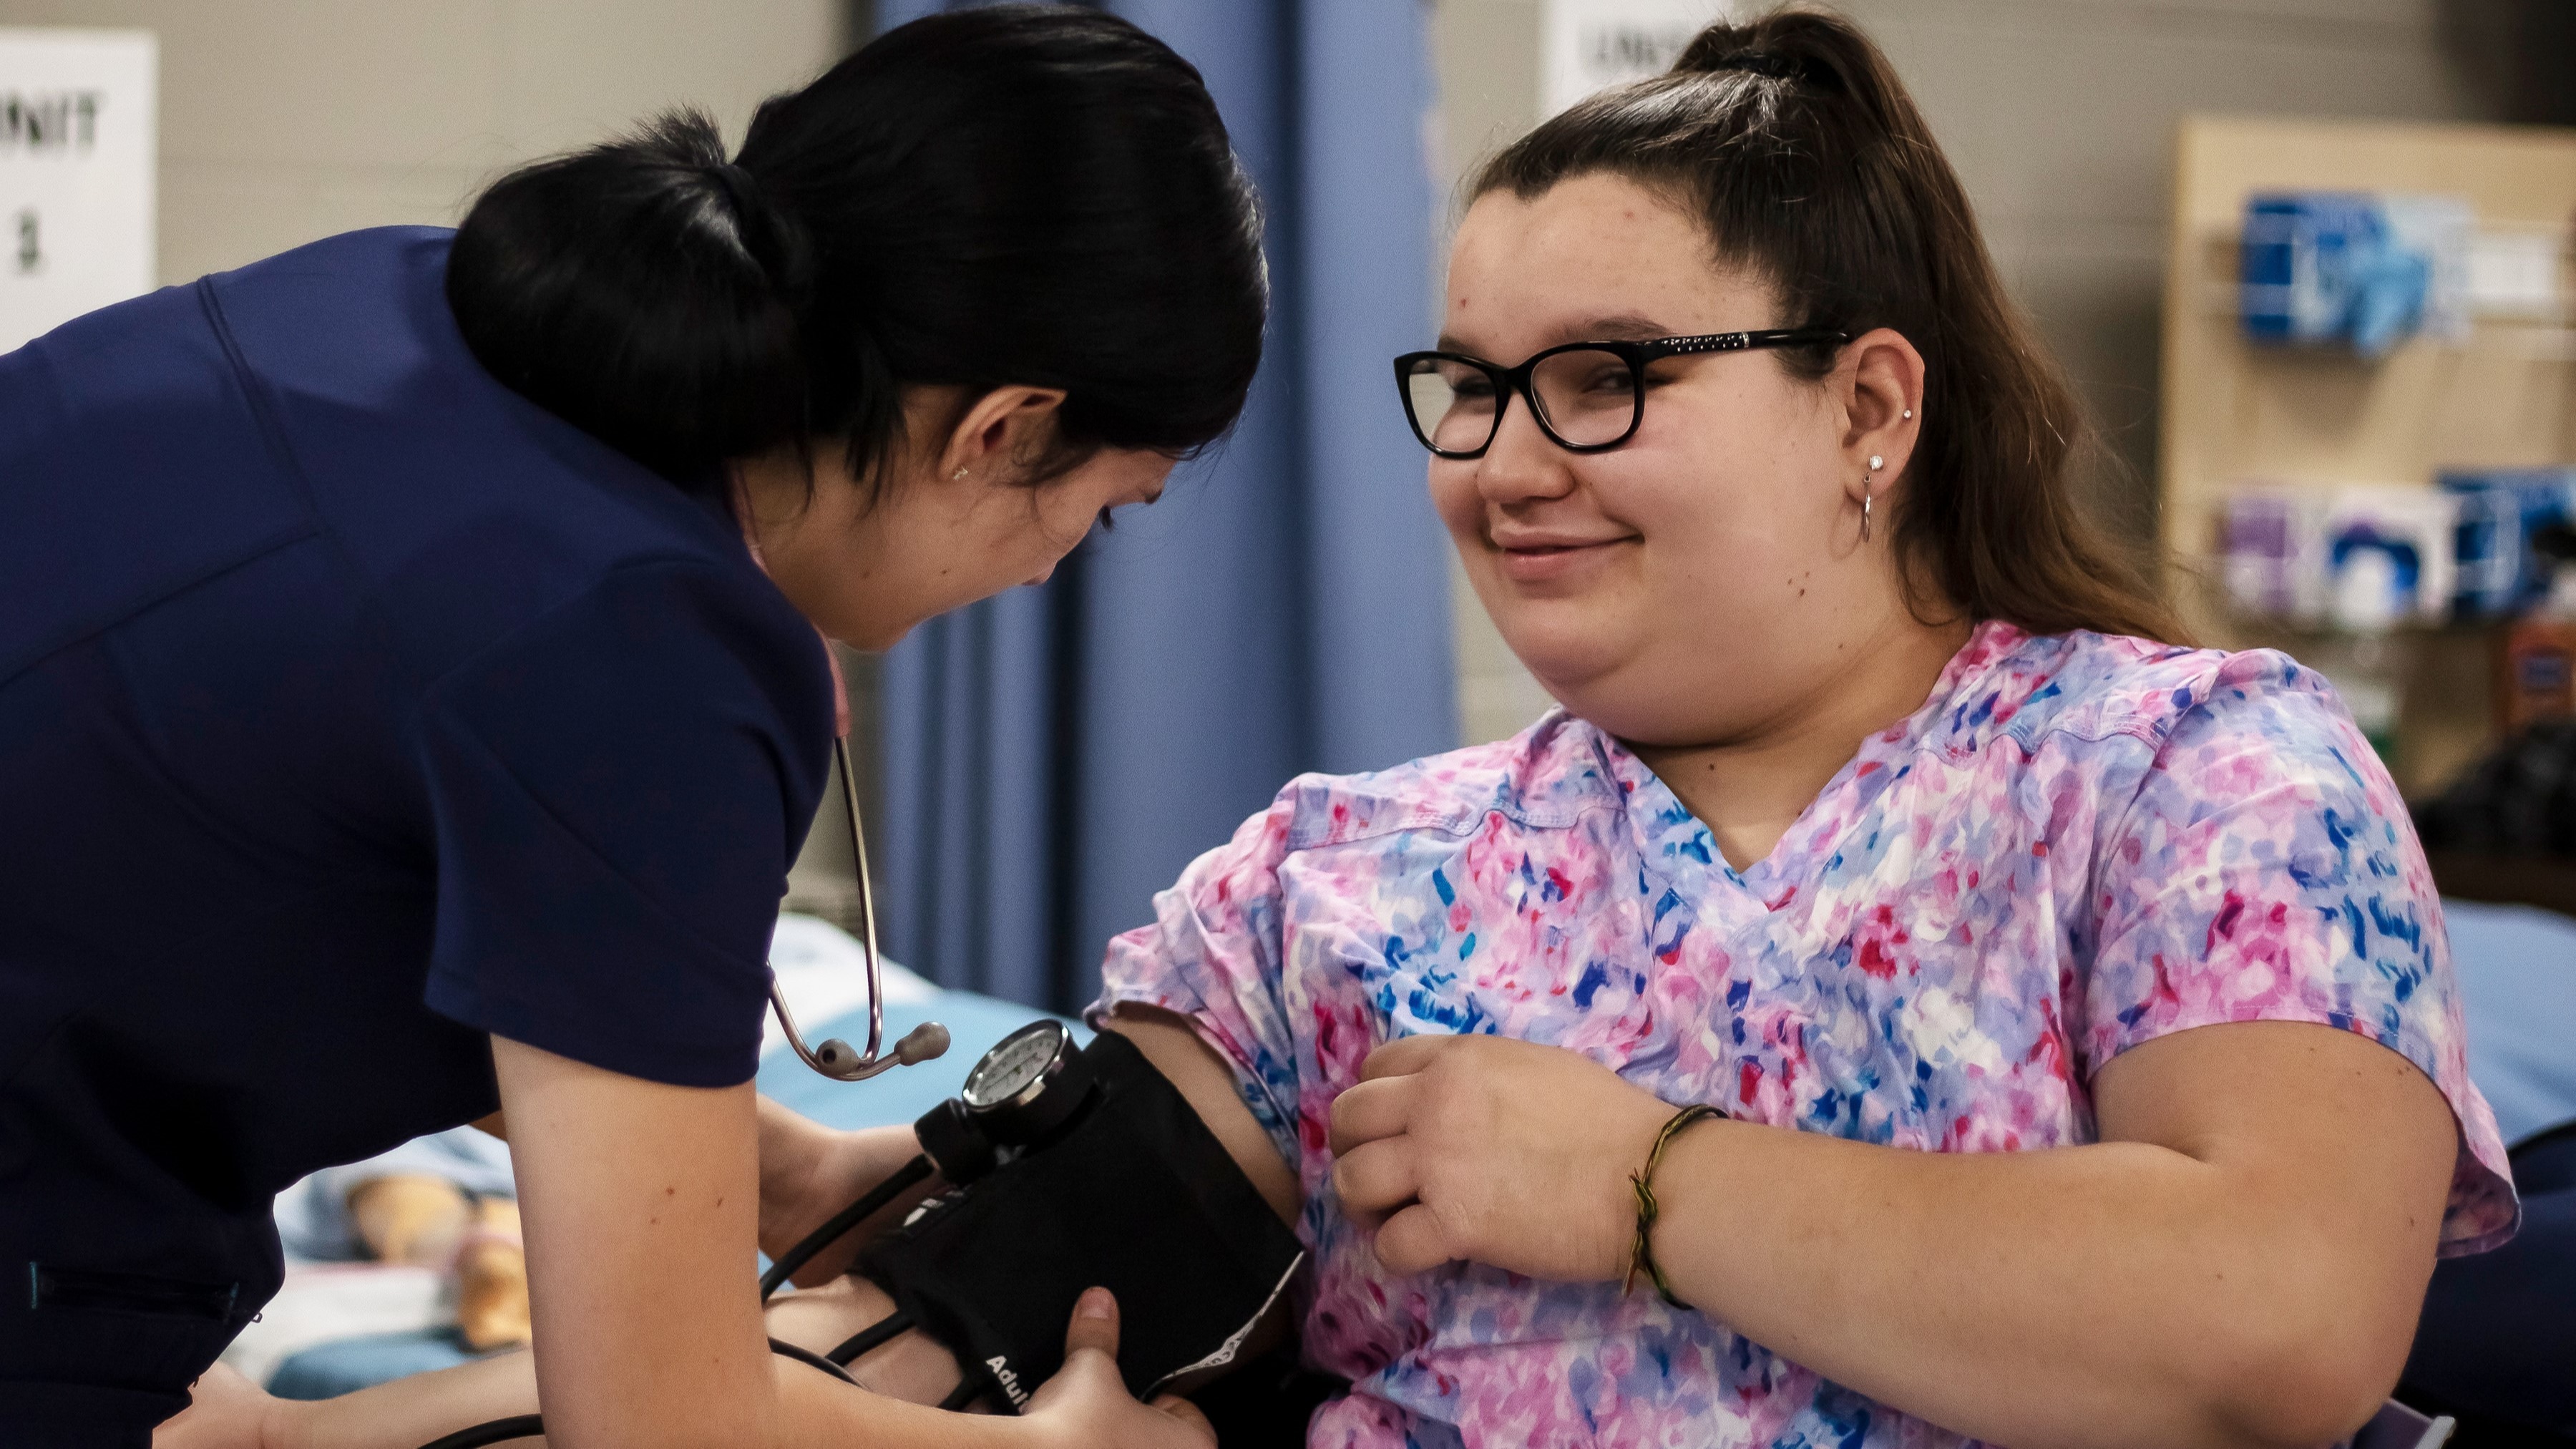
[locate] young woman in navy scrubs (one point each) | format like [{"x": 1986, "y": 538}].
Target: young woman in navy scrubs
[{"x": 398, "y": 723}]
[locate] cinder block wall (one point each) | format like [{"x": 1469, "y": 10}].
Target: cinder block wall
[
  {"x": 2060, "y": 117},
  {"x": 287, "y": 120}
]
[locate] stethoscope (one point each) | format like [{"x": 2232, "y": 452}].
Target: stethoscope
[{"x": 834, "y": 1058}]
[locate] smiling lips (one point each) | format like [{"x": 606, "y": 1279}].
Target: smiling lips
[{"x": 1539, "y": 558}]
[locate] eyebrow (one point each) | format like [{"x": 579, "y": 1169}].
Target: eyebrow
[{"x": 1626, "y": 327}]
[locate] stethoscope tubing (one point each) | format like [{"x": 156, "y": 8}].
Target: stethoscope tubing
[
  {"x": 834, "y": 1058},
  {"x": 868, "y": 1206}
]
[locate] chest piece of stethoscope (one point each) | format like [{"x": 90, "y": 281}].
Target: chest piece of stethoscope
[{"x": 1031, "y": 1084}]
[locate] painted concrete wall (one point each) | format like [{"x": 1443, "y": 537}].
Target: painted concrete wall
[{"x": 287, "y": 120}]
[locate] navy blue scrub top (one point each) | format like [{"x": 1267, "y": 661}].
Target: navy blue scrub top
[{"x": 351, "y": 707}]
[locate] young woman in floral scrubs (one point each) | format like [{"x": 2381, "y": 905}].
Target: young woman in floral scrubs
[{"x": 1886, "y": 813}]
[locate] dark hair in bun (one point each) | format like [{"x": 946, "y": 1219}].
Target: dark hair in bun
[
  {"x": 1040, "y": 195},
  {"x": 1792, "y": 141}
]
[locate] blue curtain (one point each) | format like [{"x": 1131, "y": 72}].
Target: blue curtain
[{"x": 1053, "y": 757}]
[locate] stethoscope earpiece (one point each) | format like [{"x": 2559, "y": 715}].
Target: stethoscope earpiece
[{"x": 923, "y": 1043}]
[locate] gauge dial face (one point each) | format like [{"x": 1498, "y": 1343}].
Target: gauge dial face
[{"x": 1014, "y": 1065}]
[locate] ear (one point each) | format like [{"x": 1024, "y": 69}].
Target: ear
[
  {"x": 1879, "y": 385},
  {"x": 1000, "y": 433}
]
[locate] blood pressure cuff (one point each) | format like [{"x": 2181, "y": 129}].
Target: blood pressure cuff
[{"x": 1137, "y": 1197}]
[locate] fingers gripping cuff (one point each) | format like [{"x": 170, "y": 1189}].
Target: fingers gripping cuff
[{"x": 1138, "y": 1197}]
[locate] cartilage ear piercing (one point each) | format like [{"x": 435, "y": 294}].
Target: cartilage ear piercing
[{"x": 1909, "y": 412}]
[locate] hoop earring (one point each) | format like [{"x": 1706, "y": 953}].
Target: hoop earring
[{"x": 960, "y": 474}]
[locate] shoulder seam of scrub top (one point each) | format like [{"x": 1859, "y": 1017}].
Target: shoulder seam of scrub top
[
  {"x": 1339, "y": 826},
  {"x": 265, "y": 416},
  {"x": 280, "y": 457},
  {"x": 2207, "y": 671},
  {"x": 88, "y": 629},
  {"x": 2283, "y": 684},
  {"x": 264, "y": 413},
  {"x": 1304, "y": 833}
]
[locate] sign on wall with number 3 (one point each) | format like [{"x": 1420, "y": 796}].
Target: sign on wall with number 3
[{"x": 78, "y": 118}]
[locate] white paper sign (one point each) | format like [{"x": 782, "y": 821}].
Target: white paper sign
[
  {"x": 78, "y": 112},
  {"x": 1585, "y": 45}
]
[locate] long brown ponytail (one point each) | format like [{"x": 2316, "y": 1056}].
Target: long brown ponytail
[{"x": 1793, "y": 141}]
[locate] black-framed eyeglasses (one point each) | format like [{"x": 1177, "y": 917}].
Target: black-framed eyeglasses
[{"x": 1588, "y": 397}]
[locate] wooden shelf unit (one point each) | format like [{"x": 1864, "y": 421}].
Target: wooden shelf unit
[{"x": 2234, "y": 412}]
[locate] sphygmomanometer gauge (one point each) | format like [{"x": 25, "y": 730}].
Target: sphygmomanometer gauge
[
  {"x": 1028, "y": 1084},
  {"x": 1031, "y": 1083}
]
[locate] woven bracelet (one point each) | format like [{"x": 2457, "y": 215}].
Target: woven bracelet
[{"x": 1641, "y": 1258}]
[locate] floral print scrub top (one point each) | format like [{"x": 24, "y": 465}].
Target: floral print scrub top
[{"x": 2077, "y": 844}]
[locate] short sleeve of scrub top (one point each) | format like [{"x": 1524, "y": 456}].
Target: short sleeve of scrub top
[
  {"x": 2266, "y": 870},
  {"x": 594, "y": 779}
]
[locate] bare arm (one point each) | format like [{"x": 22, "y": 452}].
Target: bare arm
[
  {"x": 641, "y": 1214},
  {"x": 805, "y": 1171},
  {"x": 1207, "y": 1083},
  {"x": 808, "y": 1172},
  {"x": 2238, "y": 1262}
]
